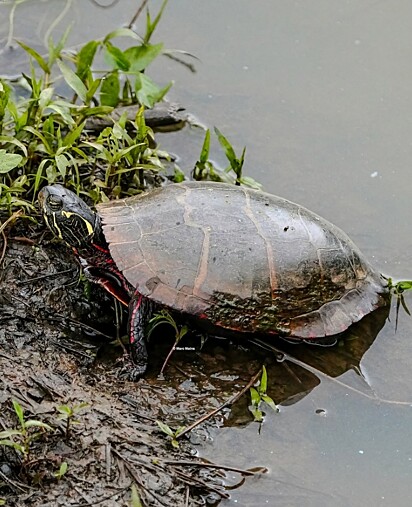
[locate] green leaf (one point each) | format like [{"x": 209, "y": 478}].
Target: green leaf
[
  {"x": 135, "y": 498},
  {"x": 39, "y": 59},
  {"x": 73, "y": 80},
  {"x": 9, "y": 161},
  {"x": 175, "y": 443},
  {"x": 229, "y": 151},
  {"x": 33, "y": 423},
  {"x": 62, "y": 470},
  {"x": 16, "y": 142},
  {"x": 257, "y": 414},
  {"x": 147, "y": 92},
  {"x": 65, "y": 410},
  {"x": 403, "y": 285},
  {"x": 165, "y": 428},
  {"x": 140, "y": 57},
  {"x": 73, "y": 136},
  {"x": 121, "y": 32},
  {"x": 151, "y": 26},
  {"x": 62, "y": 164},
  {"x": 85, "y": 58},
  {"x": 95, "y": 111},
  {"x": 46, "y": 96},
  {"x": 263, "y": 382},
  {"x": 15, "y": 445},
  {"x": 110, "y": 90},
  {"x": 19, "y": 411},
  {"x": 117, "y": 57},
  {"x": 204, "y": 154},
  {"x": 255, "y": 396},
  {"x": 268, "y": 400},
  {"x": 9, "y": 433}
]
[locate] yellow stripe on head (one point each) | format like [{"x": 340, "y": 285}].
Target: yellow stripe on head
[{"x": 68, "y": 214}]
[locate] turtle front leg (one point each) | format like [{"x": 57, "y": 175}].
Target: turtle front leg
[{"x": 140, "y": 311}]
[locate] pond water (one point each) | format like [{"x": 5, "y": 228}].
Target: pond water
[{"x": 320, "y": 93}]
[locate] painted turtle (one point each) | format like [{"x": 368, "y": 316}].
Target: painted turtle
[{"x": 236, "y": 259}]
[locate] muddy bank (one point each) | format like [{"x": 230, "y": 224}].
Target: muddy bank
[{"x": 53, "y": 352}]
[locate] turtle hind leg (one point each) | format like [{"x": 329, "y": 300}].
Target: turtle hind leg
[{"x": 140, "y": 311}]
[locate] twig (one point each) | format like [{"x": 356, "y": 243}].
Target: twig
[
  {"x": 96, "y": 502},
  {"x": 228, "y": 402},
  {"x": 48, "y": 275},
  {"x": 199, "y": 482},
  {"x": 259, "y": 470},
  {"x": 138, "y": 12},
  {"x": 136, "y": 477}
]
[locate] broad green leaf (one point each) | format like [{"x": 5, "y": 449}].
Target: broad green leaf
[
  {"x": 147, "y": 92},
  {"x": 117, "y": 57},
  {"x": 9, "y": 161},
  {"x": 73, "y": 80},
  {"x": 45, "y": 97},
  {"x": 62, "y": 164},
  {"x": 85, "y": 57},
  {"x": 110, "y": 89},
  {"x": 140, "y": 57},
  {"x": 39, "y": 59}
]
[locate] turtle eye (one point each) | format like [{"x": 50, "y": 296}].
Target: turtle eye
[{"x": 55, "y": 203}]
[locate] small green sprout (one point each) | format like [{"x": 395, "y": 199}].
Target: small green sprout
[
  {"x": 68, "y": 413},
  {"x": 164, "y": 317},
  {"x": 397, "y": 289},
  {"x": 258, "y": 395},
  {"x": 167, "y": 430},
  {"x": 62, "y": 470},
  {"x": 206, "y": 170},
  {"x": 22, "y": 438}
]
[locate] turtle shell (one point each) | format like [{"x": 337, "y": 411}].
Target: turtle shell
[{"x": 242, "y": 260}]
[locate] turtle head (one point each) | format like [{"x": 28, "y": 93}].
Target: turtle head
[{"x": 69, "y": 217}]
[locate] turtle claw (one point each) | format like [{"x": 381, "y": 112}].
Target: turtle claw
[{"x": 130, "y": 370}]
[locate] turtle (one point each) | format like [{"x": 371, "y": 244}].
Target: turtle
[{"x": 232, "y": 259}]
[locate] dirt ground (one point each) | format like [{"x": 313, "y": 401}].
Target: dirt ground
[{"x": 54, "y": 352}]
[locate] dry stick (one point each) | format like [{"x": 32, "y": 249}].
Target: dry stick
[
  {"x": 228, "y": 402},
  {"x": 138, "y": 12},
  {"x": 136, "y": 478},
  {"x": 261, "y": 470},
  {"x": 189, "y": 479}
]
